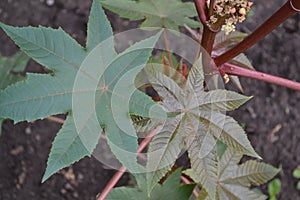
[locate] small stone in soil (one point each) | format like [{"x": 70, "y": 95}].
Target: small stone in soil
[
  {"x": 16, "y": 151},
  {"x": 290, "y": 25},
  {"x": 21, "y": 178},
  {"x": 68, "y": 186},
  {"x": 80, "y": 177},
  {"x": 272, "y": 136},
  {"x": 75, "y": 195},
  {"x": 50, "y": 2},
  {"x": 38, "y": 137},
  {"x": 63, "y": 191},
  {"x": 252, "y": 112},
  {"x": 28, "y": 130},
  {"x": 250, "y": 128}
]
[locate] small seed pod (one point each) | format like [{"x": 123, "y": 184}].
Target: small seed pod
[
  {"x": 242, "y": 11},
  {"x": 233, "y": 10},
  {"x": 226, "y": 78}
]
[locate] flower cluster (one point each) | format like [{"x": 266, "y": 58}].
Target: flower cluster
[{"x": 233, "y": 11}]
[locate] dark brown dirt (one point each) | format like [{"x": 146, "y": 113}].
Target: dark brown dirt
[
  {"x": 274, "y": 106},
  {"x": 24, "y": 147}
]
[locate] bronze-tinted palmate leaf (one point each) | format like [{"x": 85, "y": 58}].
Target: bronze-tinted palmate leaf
[
  {"x": 197, "y": 127},
  {"x": 233, "y": 180}
]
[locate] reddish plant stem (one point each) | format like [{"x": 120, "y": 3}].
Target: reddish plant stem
[
  {"x": 295, "y": 5},
  {"x": 203, "y": 14},
  {"x": 208, "y": 39},
  {"x": 110, "y": 185},
  {"x": 186, "y": 181},
  {"x": 211, "y": 7},
  {"x": 146, "y": 141},
  {"x": 208, "y": 36},
  {"x": 56, "y": 119},
  {"x": 231, "y": 69},
  {"x": 286, "y": 11},
  {"x": 207, "y": 43},
  {"x": 201, "y": 9}
]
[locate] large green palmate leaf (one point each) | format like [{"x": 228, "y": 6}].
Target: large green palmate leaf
[
  {"x": 170, "y": 189},
  {"x": 42, "y": 95},
  {"x": 157, "y": 13},
  {"x": 10, "y": 69},
  {"x": 233, "y": 180},
  {"x": 201, "y": 123}
]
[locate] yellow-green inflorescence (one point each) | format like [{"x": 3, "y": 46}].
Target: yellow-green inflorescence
[{"x": 233, "y": 11}]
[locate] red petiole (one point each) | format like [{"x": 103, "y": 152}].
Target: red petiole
[{"x": 231, "y": 69}]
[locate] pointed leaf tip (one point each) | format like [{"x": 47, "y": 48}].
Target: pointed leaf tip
[
  {"x": 67, "y": 149},
  {"x": 99, "y": 28},
  {"x": 223, "y": 100}
]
